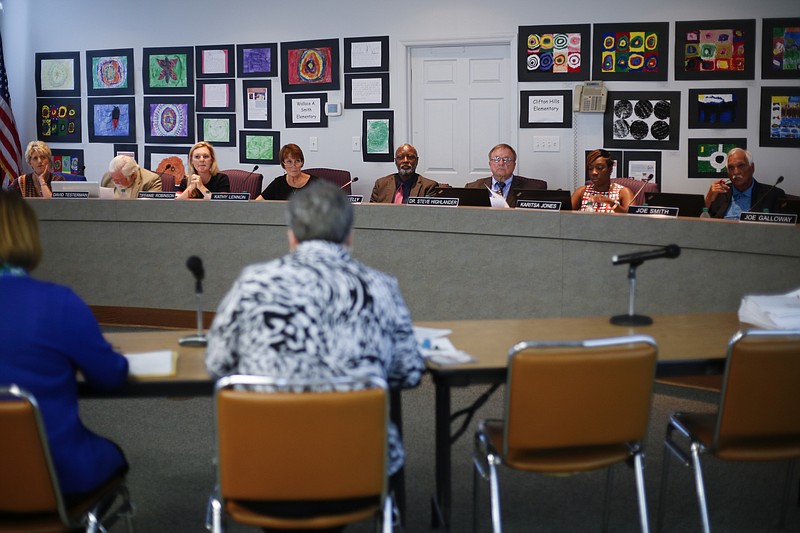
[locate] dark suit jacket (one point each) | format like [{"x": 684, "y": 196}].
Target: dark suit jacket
[
  {"x": 763, "y": 198},
  {"x": 517, "y": 184},
  {"x": 383, "y": 191}
]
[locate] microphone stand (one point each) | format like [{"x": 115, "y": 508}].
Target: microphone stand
[
  {"x": 200, "y": 339},
  {"x": 632, "y": 319}
]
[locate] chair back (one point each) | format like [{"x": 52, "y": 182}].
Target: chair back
[
  {"x": 760, "y": 402},
  {"x": 638, "y": 187},
  {"x": 70, "y": 177},
  {"x": 335, "y": 176},
  {"x": 245, "y": 181},
  {"x": 585, "y": 393},
  {"x": 283, "y": 440},
  {"x": 537, "y": 183}
]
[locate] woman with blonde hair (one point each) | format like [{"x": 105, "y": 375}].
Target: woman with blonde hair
[
  {"x": 204, "y": 175},
  {"x": 36, "y": 184}
]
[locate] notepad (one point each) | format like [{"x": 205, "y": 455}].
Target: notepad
[{"x": 159, "y": 363}]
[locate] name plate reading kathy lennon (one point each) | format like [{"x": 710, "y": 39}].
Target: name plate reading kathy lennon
[
  {"x": 424, "y": 200},
  {"x": 156, "y": 195},
  {"x": 71, "y": 194},
  {"x": 769, "y": 218},
  {"x": 538, "y": 205},
  {"x": 652, "y": 210},
  {"x": 233, "y": 196},
  {"x": 356, "y": 198}
]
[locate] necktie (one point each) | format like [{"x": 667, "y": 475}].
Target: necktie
[
  {"x": 500, "y": 186},
  {"x": 398, "y": 195}
]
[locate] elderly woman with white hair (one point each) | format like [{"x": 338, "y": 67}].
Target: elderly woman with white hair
[
  {"x": 36, "y": 184},
  {"x": 128, "y": 178}
]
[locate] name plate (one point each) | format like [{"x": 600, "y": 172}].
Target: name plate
[
  {"x": 233, "y": 196},
  {"x": 71, "y": 194},
  {"x": 769, "y": 218},
  {"x": 356, "y": 198},
  {"x": 424, "y": 200},
  {"x": 156, "y": 195},
  {"x": 652, "y": 210},
  {"x": 538, "y": 205}
]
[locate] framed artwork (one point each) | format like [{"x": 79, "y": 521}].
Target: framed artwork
[
  {"x": 167, "y": 161},
  {"x": 306, "y": 110},
  {"x": 641, "y": 165},
  {"x": 169, "y": 120},
  {"x": 366, "y": 54},
  {"x": 366, "y": 91},
  {"x": 219, "y": 130},
  {"x": 112, "y": 120},
  {"x": 168, "y": 70},
  {"x": 68, "y": 161},
  {"x": 780, "y": 117},
  {"x": 259, "y": 147},
  {"x": 718, "y": 108},
  {"x": 310, "y": 66},
  {"x": 127, "y": 149},
  {"x": 554, "y": 53},
  {"x": 780, "y": 48},
  {"x": 715, "y": 50},
  {"x": 642, "y": 120},
  {"x": 545, "y": 109},
  {"x": 214, "y": 61},
  {"x": 708, "y": 157},
  {"x": 59, "y": 120},
  {"x": 631, "y": 51},
  {"x": 216, "y": 96},
  {"x": 257, "y": 98},
  {"x": 257, "y": 60},
  {"x": 377, "y": 136},
  {"x": 616, "y": 165},
  {"x": 58, "y": 74},
  {"x": 109, "y": 72}
]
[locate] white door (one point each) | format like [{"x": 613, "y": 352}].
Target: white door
[{"x": 463, "y": 102}]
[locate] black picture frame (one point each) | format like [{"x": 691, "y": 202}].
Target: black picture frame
[
  {"x": 377, "y": 136},
  {"x": 554, "y": 52},
  {"x": 157, "y": 158},
  {"x": 310, "y": 66},
  {"x": 58, "y": 74},
  {"x": 257, "y": 60},
  {"x": 366, "y": 94},
  {"x": 718, "y": 108},
  {"x": 164, "y": 65},
  {"x": 778, "y": 126},
  {"x": 254, "y": 110},
  {"x": 203, "y": 104},
  {"x": 132, "y": 148},
  {"x": 68, "y": 157},
  {"x": 169, "y": 120},
  {"x": 218, "y": 129},
  {"x": 704, "y": 47},
  {"x": 59, "y": 120},
  {"x": 773, "y": 43},
  {"x": 543, "y": 103},
  {"x": 253, "y": 150},
  {"x": 215, "y": 61},
  {"x": 629, "y": 156},
  {"x": 110, "y": 72},
  {"x": 707, "y": 156},
  {"x": 306, "y": 110},
  {"x": 366, "y": 54},
  {"x": 644, "y": 120},
  {"x": 653, "y": 65},
  {"x": 112, "y": 120}
]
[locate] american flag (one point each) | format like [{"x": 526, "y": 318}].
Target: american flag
[{"x": 10, "y": 152}]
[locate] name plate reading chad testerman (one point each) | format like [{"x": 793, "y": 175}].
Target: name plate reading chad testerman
[
  {"x": 71, "y": 194},
  {"x": 156, "y": 195},
  {"x": 652, "y": 210},
  {"x": 424, "y": 200},
  {"x": 768, "y": 218},
  {"x": 539, "y": 205},
  {"x": 236, "y": 196},
  {"x": 355, "y": 198}
]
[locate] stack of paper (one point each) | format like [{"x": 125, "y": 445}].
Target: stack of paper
[
  {"x": 772, "y": 312},
  {"x": 160, "y": 363},
  {"x": 437, "y": 348}
]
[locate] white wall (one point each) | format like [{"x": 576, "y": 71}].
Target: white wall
[{"x": 30, "y": 26}]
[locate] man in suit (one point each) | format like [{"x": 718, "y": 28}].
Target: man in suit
[
  {"x": 747, "y": 194},
  {"x": 396, "y": 188},
  {"x": 128, "y": 178},
  {"x": 502, "y": 162}
]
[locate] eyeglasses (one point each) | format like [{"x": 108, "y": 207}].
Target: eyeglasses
[
  {"x": 291, "y": 163},
  {"x": 498, "y": 159}
]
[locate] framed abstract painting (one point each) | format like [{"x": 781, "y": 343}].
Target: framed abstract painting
[
  {"x": 715, "y": 50},
  {"x": 310, "y": 66},
  {"x": 780, "y": 48},
  {"x": 718, "y": 108},
  {"x": 168, "y": 70},
  {"x": 68, "y": 161},
  {"x": 259, "y": 147},
  {"x": 58, "y": 74},
  {"x": 215, "y": 61},
  {"x": 169, "y": 120},
  {"x": 554, "y": 53},
  {"x": 377, "y": 136},
  {"x": 708, "y": 157},
  {"x": 642, "y": 120},
  {"x": 112, "y": 120},
  {"x": 109, "y": 72},
  {"x": 636, "y": 51},
  {"x": 218, "y": 129},
  {"x": 59, "y": 120},
  {"x": 780, "y": 117},
  {"x": 257, "y": 60}
]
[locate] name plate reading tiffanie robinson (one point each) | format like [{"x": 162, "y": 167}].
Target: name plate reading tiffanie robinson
[
  {"x": 538, "y": 205},
  {"x": 652, "y": 210},
  {"x": 356, "y": 198},
  {"x": 769, "y": 218},
  {"x": 156, "y": 195},
  {"x": 233, "y": 196},
  {"x": 71, "y": 194},
  {"x": 424, "y": 200}
]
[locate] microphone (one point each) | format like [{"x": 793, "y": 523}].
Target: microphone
[
  {"x": 355, "y": 179},
  {"x": 81, "y": 170},
  {"x": 166, "y": 169},
  {"x": 195, "y": 266},
  {"x": 764, "y": 197},
  {"x": 248, "y": 176},
  {"x": 670, "y": 252},
  {"x": 646, "y": 180}
]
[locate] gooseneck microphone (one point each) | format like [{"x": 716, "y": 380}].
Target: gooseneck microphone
[
  {"x": 670, "y": 252},
  {"x": 355, "y": 179},
  {"x": 646, "y": 180},
  {"x": 777, "y": 182},
  {"x": 195, "y": 266}
]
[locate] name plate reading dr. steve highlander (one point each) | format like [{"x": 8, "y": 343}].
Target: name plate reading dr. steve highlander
[
  {"x": 652, "y": 210},
  {"x": 156, "y": 195},
  {"x": 235, "y": 196},
  {"x": 71, "y": 194},
  {"x": 424, "y": 200},
  {"x": 769, "y": 218},
  {"x": 538, "y": 205}
]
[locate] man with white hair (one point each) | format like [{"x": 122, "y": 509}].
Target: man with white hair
[{"x": 128, "y": 178}]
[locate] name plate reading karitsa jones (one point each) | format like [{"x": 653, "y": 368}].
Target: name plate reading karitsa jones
[
  {"x": 231, "y": 196},
  {"x": 437, "y": 202},
  {"x": 156, "y": 195},
  {"x": 652, "y": 210},
  {"x": 73, "y": 195},
  {"x": 538, "y": 205},
  {"x": 769, "y": 218}
]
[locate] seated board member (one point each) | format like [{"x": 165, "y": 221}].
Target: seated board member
[
  {"x": 502, "y": 162},
  {"x": 746, "y": 194},
  {"x": 283, "y": 187},
  {"x": 600, "y": 195},
  {"x": 204, "y": 175},
  {"x": 48, "y": 334},
  {"x": 398, "y": 187},
  {"x": 129, "y": 179},
  {"x": 36, "y": 184}
]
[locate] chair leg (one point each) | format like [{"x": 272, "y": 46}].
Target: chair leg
[
  {"x": 701, "y": 492},
  {"x": 607, "y": 497},
  {"x": 214, "y": 515},
  {"x": 387, "y": 525},
  {"x": 639, "y": 472},
  {"x": 495, "y": 495}
]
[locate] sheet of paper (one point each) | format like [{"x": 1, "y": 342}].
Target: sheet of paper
[
  {"x": 496, "y": 199},
  {"x": 780, "y": 311},
  {"x": 152, "y": 364},
  {"x": 215, "y": 95},
  {"x": 367, "y": 90}
]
